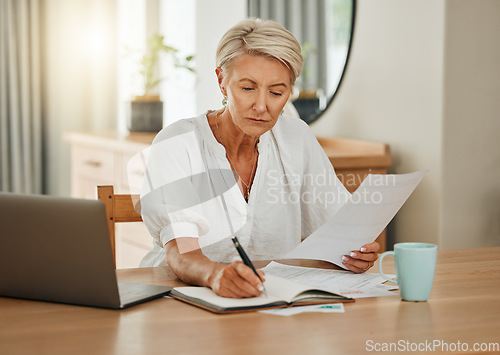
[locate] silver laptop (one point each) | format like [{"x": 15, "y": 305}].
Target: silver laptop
[{"x": 58, "y": 249}]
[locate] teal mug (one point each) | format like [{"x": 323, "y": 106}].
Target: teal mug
[{"x": 415, "y": 267}]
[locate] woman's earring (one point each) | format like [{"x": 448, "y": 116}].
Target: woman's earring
[
  {"x": 282, "y": 112},
  {"x": 224, "y": 101}
]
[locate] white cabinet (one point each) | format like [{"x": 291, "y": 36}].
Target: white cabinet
[{"x": 102, "y": 159}]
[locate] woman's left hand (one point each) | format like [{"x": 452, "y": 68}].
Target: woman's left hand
[{"x": 361, "y": 260}]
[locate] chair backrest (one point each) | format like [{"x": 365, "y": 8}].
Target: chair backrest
[{"x": 119, "y": 208}]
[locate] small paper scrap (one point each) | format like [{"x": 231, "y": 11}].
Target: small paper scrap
[{"x": 322, "y": 308}]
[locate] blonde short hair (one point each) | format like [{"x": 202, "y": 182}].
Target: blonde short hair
[{"x": 259, "y": 37}]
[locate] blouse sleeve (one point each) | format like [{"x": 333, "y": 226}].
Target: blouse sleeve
[{"x": 170, "y": 202}]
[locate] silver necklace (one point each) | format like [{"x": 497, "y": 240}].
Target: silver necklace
[{"x": 246, "y": 194}]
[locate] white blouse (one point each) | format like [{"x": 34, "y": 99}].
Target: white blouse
[{"x": 190, "y": 191}]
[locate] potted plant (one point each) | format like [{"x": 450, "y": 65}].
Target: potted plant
[{"x": 146, "y": 111}]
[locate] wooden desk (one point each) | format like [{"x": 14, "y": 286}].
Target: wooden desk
[{"x": 464, "y": 306}]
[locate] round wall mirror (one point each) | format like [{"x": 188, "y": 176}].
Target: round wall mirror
[{"x": 324, "y": 29}]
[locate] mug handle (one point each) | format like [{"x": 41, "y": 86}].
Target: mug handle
[{"x": 382, "y": 256}]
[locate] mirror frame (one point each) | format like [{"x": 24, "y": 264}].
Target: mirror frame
[{"x": 349, "y": 48}]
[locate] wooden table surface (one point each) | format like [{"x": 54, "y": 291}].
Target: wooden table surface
[{"x": 463, "y": 309}]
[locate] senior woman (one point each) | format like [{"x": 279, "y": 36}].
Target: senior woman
[{"x": 245, "y": 170}]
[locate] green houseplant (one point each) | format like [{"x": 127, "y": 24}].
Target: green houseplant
[{"x": 146, "y": 111}]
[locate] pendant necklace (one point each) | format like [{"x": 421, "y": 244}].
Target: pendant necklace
[{"x": 246, "y": 194}]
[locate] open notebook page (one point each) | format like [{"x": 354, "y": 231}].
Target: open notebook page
[{"x": 278, "y": 289}]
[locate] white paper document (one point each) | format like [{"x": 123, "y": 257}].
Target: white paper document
[
  {"x": 345, "y": 283},
  {"x": 360, "y": 220}
]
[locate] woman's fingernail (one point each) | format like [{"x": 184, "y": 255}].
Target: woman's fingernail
[
  {"x": 353, "y": 255},
  {"x": 362, "y": 249},
  {"x": 261, "y": 288},
  {"x": 345, "y": 259}
]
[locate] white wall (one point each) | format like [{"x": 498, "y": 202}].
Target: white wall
[
  {"x": 471, "y": 143},
  {"x": 401, "y": 87},
  {"x": 392, "y": 92}
]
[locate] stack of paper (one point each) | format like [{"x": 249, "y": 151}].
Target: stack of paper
[
  {"x": 345, "y": 283},
  {"x": 360, "y": 220}
]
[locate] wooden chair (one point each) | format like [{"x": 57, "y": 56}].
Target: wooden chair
[{"x": 119, "y": 208}]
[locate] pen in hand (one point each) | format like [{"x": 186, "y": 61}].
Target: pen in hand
[{"x": 247, "y": 261}]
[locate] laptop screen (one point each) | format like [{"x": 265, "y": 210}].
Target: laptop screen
[{"x": 56, "y": 249}]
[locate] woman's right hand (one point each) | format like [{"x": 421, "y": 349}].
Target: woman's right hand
[{"x": 235, "y": 280}]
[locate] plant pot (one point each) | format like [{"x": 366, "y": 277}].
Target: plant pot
[
  {"x": 146, "y": 114},
  {"x": 308, "y": 105}
]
